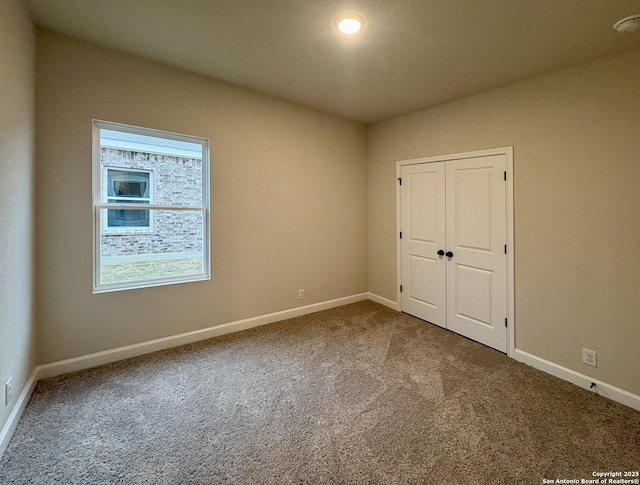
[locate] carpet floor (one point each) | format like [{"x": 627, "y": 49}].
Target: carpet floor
[{"x": 356, "y": 394}]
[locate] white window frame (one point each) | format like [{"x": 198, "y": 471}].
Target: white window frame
[
  {"x": 124, "y": 230},
  {"x": 100, "y": 203}
]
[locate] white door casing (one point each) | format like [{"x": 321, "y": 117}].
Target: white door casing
[{"x": 466, "y": 196}]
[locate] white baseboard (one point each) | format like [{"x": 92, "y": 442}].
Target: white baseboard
[
  {"x": 16, "y": 413},
  {"x": 113, "y": 355},
  {"x": 384, "y": 301},
  {"x": 603, "y": 389}
]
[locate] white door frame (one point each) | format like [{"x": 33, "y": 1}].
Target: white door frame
[{"x": 508, "y": 153}]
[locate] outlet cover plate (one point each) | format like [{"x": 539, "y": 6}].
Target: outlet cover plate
[{"x": 589, "y": 357}]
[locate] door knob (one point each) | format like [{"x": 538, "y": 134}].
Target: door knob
[
  {"x": 449, "y": 254},
  {"x": 440, "y": 252}
]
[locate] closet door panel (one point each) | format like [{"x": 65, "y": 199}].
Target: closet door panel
[
  {"x": 423, "y": 234},
  {"x": 476, "y": 236}
]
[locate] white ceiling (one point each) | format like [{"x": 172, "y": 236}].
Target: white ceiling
[{"x": 412, "y": 54}]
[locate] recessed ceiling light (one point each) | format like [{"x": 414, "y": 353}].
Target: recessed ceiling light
[
  {"x": 349, "y": 24},
  {"x": 628, "y": 24}
]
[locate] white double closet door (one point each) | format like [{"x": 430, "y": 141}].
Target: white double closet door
[{"x": 456, "y": 207}]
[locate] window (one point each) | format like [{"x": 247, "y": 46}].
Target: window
[
  {"x": 128, "y": 187},
  {"x": 151, "y": 207}
]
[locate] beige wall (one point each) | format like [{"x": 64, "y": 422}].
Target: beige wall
[
  {"x": 576, "y": 139},
  {"x": 288, "y": 191},
  {"x": 17, "y": 98}
]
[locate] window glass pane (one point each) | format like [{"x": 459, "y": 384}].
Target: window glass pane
[
  {"x": 129, "y": 189},
  {"x": 151, "y": 144},
  {"x": 173, "y": 249},
  {"x": 167, "y": 171},
  {"x": 128, "y": 185},
  {"x": 128, "y": 218},
  {"x": 177, "y": 181}
]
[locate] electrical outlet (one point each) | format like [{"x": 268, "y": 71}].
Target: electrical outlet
[
  {"x": 301, "y": 294},
  {"x": 8, "y": 390},
  {"x": 589, "y": 357}
]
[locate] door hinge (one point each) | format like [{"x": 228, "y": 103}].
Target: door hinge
[
  {"x": 505, "y": 249},
  {"x": 400, "y": 288},
  {"x": 400, "y": 234},
  {"x": 506, "y": 322},
  {"x": 400, "y": 180},
  {"x": 505, "y": 175}
]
